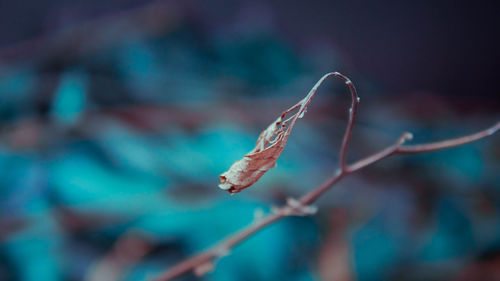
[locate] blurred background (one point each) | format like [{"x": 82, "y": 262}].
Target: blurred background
[{"x": 116, "y": 118}]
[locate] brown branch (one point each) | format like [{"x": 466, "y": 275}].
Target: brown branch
[
  {"x": 421, "y": 148},
  {"x": 129, "y": 248},
  {"x": 219, "y": 250},
  {"x": 448, "y": 143},
  {"x": 204, "y": 261},
  {"x": 353, "y": 110}
]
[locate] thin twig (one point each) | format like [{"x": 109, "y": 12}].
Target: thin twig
[
  {"x": 203, "y": 262},
  {"x": 448, "y": 143},
  {"x": 421, "y": 148},
  {"x": 220, "y": 249},
  {"x": 353, "y": 110}
]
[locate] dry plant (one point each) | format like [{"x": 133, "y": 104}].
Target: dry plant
[{"x": 263, "y": 157}]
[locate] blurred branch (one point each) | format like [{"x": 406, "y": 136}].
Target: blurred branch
[
  {"x": 128, "y": 250},
  {"x": 152, "y": 18},
  {"x": 8, "y": 226},
  {"x": 204, "y": 261}
]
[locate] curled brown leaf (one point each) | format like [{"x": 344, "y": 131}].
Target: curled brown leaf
[{"x": 270, "y": 144}]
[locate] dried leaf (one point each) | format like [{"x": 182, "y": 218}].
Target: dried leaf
[{"x": 270, "y": 144}]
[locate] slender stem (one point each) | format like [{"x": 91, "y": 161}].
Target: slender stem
[
  {"x": 399, "y": 148},
  {"x": 448, "y": 143},
  {"x": 220, "y": 249},
  {"x": 186, "y": 266},
  {"x": 353, "y": 111}
]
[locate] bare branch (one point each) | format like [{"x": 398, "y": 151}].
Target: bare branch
[
  {"x": 204, "y": 261},
  {"x": 448, "y": 143},
  {"x": 399, "y": 148},
  {"x": 220, "y": 249}
]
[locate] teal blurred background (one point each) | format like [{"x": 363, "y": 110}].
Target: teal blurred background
[{"x": 116, "y": 118}]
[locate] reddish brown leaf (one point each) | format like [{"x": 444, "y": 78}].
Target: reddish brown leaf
[{"x": 270, "y": 144}]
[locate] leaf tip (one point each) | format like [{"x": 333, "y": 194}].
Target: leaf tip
[
  {"x": 223, "y": 183},
  {"x": 226, "y": 185}
]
